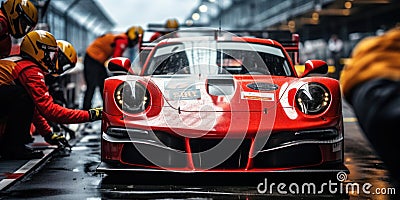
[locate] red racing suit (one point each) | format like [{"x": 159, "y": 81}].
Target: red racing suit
[
  {"x": 5, "y": 38},
  {"x": 158, "y": 35},
  {"x": 155, "y": 36},
  {"x": 31, "y": 77}
]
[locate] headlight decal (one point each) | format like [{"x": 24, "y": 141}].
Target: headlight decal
[
  {"x": 285, "y": 101},
  {"x": 313, "y": 98}
]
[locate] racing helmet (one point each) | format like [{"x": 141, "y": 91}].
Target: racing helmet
[
  {"x": 41, "y": 47},
  {"x": 133, "y": 34},
  {"x": 172, "y": 24},
  {"x": 67, "y": 57},
  {"x": 22, "y": 16}
]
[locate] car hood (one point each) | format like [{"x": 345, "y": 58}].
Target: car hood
[{"x": 231, "y": 93}]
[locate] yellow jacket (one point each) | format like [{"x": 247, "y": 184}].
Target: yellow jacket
[
  {"x": 104, "y": 47},
  {"x": 373, "y": 57}
]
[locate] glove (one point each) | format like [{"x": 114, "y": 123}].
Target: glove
[
  {"x": 57, "y": 139},
  {"x": 95, "y": 113}
]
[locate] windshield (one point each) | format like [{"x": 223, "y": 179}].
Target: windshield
[{"x": 214, "y": 58}]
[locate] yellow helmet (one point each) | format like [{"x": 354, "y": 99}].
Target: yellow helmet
[
  {"x": 67, "y": 57},
  {"x": 133, "y": 34},
  {"x": 41, "y": 46},
  {"x": 22, "y": 16},
  {"x": 172, "y": 24}
]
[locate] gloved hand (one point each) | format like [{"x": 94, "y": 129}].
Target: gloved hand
[
  {"x": 95, "y": 113},
  {"x": 56, "y": 139}
]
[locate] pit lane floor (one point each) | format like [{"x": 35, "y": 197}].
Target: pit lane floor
[{"x": 73, "y": 176}]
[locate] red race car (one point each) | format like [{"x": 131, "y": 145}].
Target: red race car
[{"x": 222, "y": 103}]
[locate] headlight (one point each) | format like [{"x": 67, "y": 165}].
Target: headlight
[
  {"x": 132, "y": 97},
  {"x": 313, "y": 98}
]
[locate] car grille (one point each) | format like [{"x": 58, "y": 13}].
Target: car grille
[
  {"x": 166, "y": 157},
  {"x": 272, "y": 155},
  {"x": 299, "y": 155},
  {"x": 238, "y": 160}
]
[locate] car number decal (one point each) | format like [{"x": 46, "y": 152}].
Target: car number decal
[
  {"x": 184, "y": 94},
  {"x": 258, "y": 96}
]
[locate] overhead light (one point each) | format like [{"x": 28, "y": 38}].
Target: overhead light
[
  {"x": 348, "y": 4},
  {"x": 292, "y": 24},
  {"x": 203, "y": 8},
  {"x": 195, "y": 16},
  {"x": 189, "y": 22},
  {"x": 212, "y": 1},
  {"x": 315, "y": 16}
]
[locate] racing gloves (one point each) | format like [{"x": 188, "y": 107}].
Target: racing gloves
[
  {"x": 56, "y": 139},
  {"x": 95, "y": 113}
]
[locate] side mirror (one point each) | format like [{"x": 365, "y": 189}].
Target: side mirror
[
  {"x": 315, "y": 67},
  {"x": 119, "y": 65}
]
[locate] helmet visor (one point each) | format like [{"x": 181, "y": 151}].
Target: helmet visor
[
  {"x": 23, "y": 22},
  {"x": 50, "y": 56},
  {"x": 53, "y": 57},
  {"x": 64, "y": 64}
]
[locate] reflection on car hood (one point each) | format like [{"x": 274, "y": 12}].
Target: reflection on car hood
[{"x": 221, "y": 93}]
